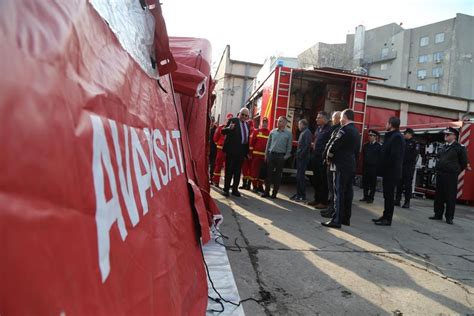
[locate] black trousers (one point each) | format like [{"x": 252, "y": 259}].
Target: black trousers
[
  {"x": 406, "y": 184},
  {"x": 275, "y": 163},
  {"x": 233, "y": 165},
  {"x": 369, "y": 182},
  {"x": 343, "y": 194},
  {"x": 320, "y": 181},
  {"x": 388, "y": 195},
  {"x": 446, "y": 191},
  {"x": 330, "y": 176}
]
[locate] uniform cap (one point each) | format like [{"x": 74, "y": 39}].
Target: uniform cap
[
  {"x": 373, "y": 132},
  {"x": 451, "y": 130},
  {"x": 409, "y": 131},
  {"x": 229, "y": 116}
]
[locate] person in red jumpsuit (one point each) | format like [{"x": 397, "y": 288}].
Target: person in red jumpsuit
[
  {"x": 246, "y": 177},
  {"x": 258, "y": 143},
  {"x": 220, "y": 157}
]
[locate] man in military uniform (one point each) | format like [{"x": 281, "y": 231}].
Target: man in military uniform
[
  {"x": 391, "y": 162},
  {"x": 370, "y": 156},
  {"x": 452, "y": 161},
  {"x": 412, "y": 149},
  {"x": 342, "y": 155}
]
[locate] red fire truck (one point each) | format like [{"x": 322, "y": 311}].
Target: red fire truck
[{"x": 301, "y": 93}]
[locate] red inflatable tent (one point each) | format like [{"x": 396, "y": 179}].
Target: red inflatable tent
[{"x": 101, "y": 197}]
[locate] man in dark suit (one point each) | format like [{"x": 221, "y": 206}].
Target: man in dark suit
[
  {"x": 342, "y": 156},
  {"x": 236, "y": 147},
  {"x": 391, "y": 162},
  {"x": 412, "y": 149},
  {"x": 370, "y": 156}
]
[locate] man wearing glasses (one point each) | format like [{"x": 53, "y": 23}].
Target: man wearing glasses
[{"x": 236, "y": 147}]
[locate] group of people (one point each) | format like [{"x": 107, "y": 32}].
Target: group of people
[{"x": 332, "y": 153}]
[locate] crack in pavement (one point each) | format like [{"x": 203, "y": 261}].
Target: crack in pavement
[
  {"x": 266, "y": 297},
  {"x": 440, "y": 275},
  {"x": 441, "y": 241}
]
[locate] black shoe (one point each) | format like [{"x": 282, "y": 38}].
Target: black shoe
[
  {"x": 274, "y": 195},
  {"x": 255, "y": 190},
  {"x": 449, "y": 221},
  {"x": 363, "y": 200},
  {"x": 226, "y": 193},
  {"x": 396, "y": 203},
  {"x": 370, "y": 201},
  {"x": 437, "y": 218},
  {"x": 406, "y": 205},
  {"x": 327, "y": 214},
  {"x": 377, "y": 219},
  {"x": 260, "y": 189},
  {"x": 265, "y": 195},
  {"x": 330, "y": 224},
  {"x": 346, "y": 223},
  {"x": 236, "y": 193},
  {"x": 294, "y": 197},
  {"x": 383, "y": 222}
]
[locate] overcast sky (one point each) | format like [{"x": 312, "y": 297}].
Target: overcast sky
[{"x": 260, "y": 28}]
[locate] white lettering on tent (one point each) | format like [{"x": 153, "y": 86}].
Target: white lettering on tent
[
  {"x": 161, "y": 155},
  {"x": 143, "y": 180},
  {"x": 108, "y": 208},
  {"x": 107, "y": 212},
  {"x": 176, "y": 136},
  {"x": 171, "y": 156},
  {"x": 125, "y": 186}
]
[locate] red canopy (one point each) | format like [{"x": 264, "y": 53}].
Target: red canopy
[{"x": 101, "y": 206}]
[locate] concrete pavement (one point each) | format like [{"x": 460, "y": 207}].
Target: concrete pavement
[{"x": 297, "y": 267}]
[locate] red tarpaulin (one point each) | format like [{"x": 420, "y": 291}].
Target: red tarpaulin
[
  {"x": 196, "y": 54},
  {"x": 96, "y": 213}
]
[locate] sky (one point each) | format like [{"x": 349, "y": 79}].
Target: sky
[{"x": 258, "y": 29}]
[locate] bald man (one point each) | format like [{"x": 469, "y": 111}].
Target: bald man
[{"x": 236, "y": 147}]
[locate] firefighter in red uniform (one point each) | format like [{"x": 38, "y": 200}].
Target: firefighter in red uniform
[
  {"x": 220, "y": 157},
  {"x": 258, "y": 143},
  {"x": 246, "y": 166}
]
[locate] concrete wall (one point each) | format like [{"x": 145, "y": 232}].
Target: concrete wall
[
  {"x": 234, "y": 80},
  {"x": 463, "y": 62}
]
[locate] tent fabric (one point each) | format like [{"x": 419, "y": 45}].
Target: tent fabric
[
  {"x": 95, "y": 209},
  {"x": 196, "y": 53}
]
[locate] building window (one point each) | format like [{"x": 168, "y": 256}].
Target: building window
[
  {"x": 435, "y": 87},
  {"x": 421, "y": 74},
  {"x": 383, "y": 66},
  {"x": 438, "y": 57},
  {"x": 437, "y": 72},
  {"x": 439, "y": 38},
  {"x": 424, "y": 41},
  {"x": 384, "y": 52},
  {"x": 424, "y": 59},
  {"x": 420, "y": 87}
]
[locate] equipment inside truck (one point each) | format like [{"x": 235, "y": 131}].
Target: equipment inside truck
[{"x": 313, "y": 92}]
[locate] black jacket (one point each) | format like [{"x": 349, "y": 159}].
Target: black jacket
[
  {"x": 452, "y": 158},
  {"x": 391, "y": 155},
  {"x": 233, "y": 140},
  {"x": 371, "y": 154},
  {"x": 334, "y": 130},
  {"x": 304, "y": 144},
  {"x": 344, "y": 150},
  {"x": 412, "y": 149}
]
